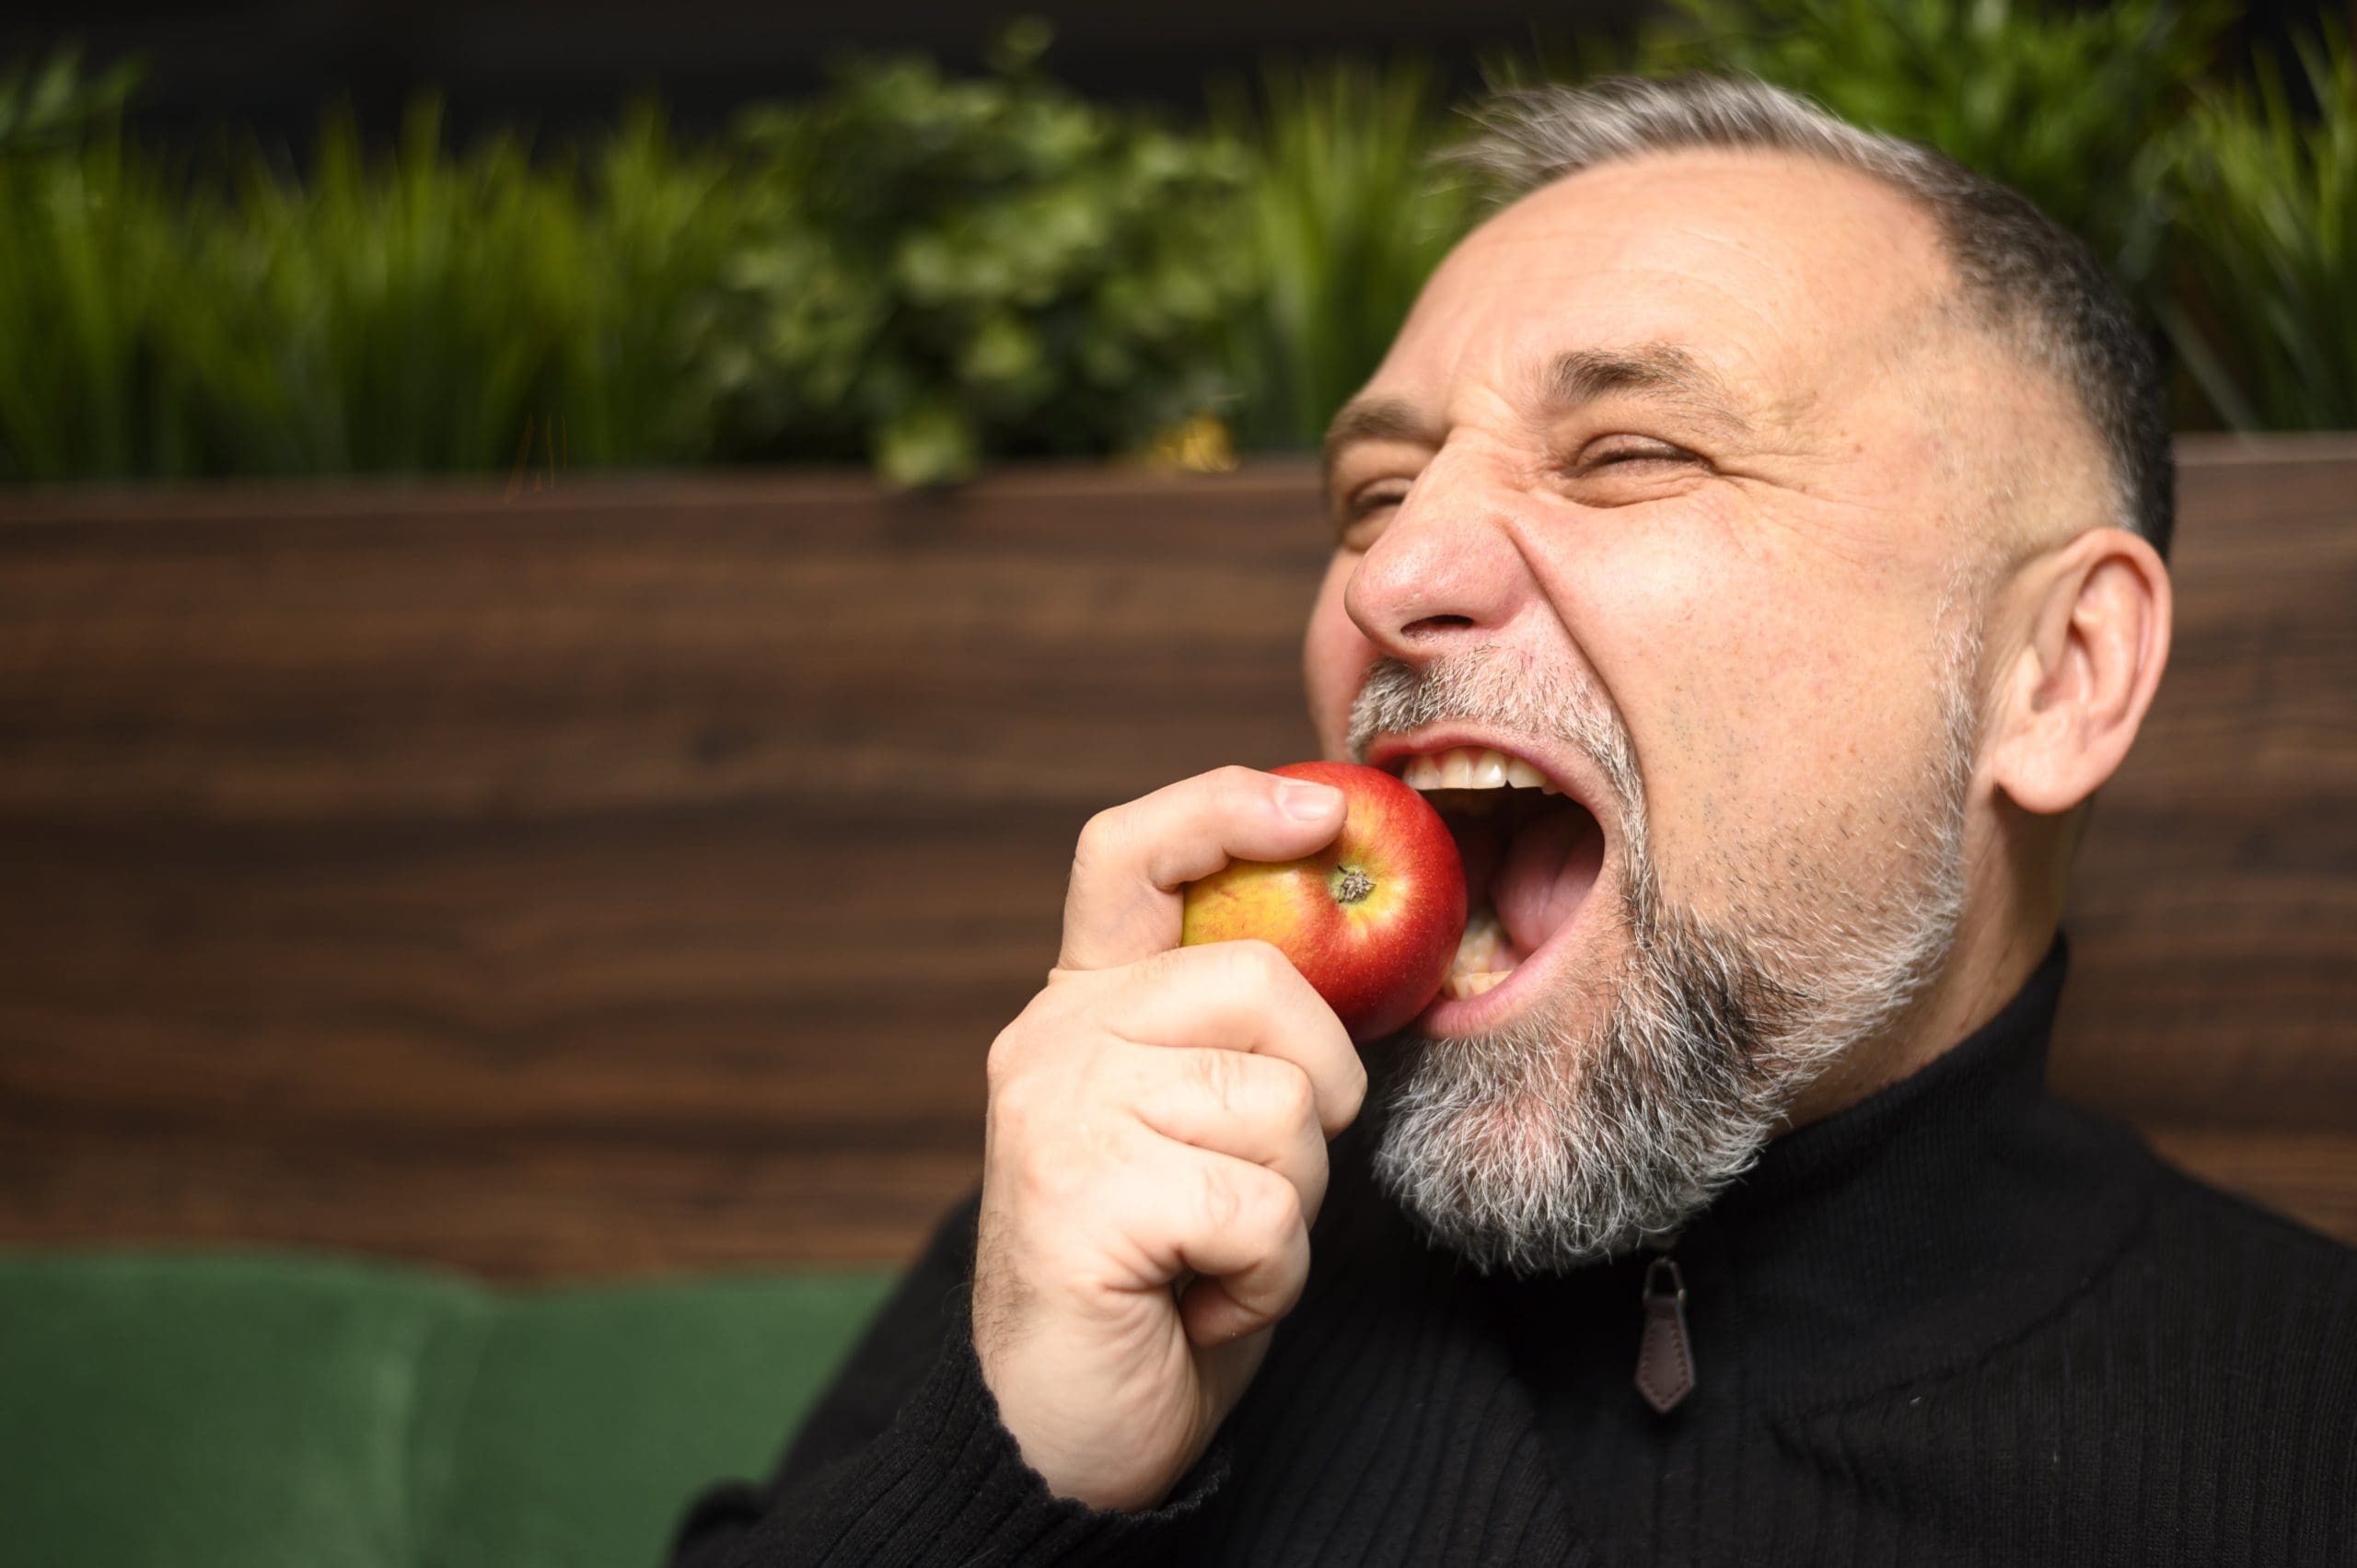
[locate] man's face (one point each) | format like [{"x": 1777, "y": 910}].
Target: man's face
[{"x": 1663, "y": 490}]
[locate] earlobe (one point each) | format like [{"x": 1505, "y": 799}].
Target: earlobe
[{"x": 2078, "y": 685}]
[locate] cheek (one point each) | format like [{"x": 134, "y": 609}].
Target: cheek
[
  {"x": 1770, "y": 711},
  {"x": 1334, "y": 657}
]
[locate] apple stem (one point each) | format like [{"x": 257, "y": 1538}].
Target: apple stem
[{"x": 1354, "y": 884}]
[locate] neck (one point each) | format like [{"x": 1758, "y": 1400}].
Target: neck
[{"x": 2013, "y": 907}]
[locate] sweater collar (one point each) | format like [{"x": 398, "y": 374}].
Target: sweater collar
[
  {"x": 1908, "y": 1234},
  {"x": 1918, "y": 1228}
]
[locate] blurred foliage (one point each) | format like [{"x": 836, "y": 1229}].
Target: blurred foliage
[
  {"x": 923, "y": 272},
  {"x": 2066, "y": 104},
  {"x": 2268, "y": 201},
  {"x": 935, "y": 269},
  {"x": 55, "y": 104},
  {"x": 417, "y": 312},
  {"x": 1344, "y": 217},
  {"x": 92, "y": 267},
  {"x": 400, "y": 314}
]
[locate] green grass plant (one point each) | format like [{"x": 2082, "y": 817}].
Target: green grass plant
[
  {"x": 55, "y": 104},
  {"x": 1344, "y": 217},
  {"x": 414, "y": 311},
  {"x": 430, "y": 310},
  {"x": 394, "y": 315},
  {"x": 92, "y": 266},
  {"x": 2266, "y": 232},
  {"x": 659, "y": 223}
]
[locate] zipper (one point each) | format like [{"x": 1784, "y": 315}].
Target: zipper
[{"x": 1664, "y": 1356}]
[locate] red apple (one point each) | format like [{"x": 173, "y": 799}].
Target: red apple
[{"x": 1372, "y": 920}]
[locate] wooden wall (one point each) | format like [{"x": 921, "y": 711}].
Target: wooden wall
[{"x": 631, "y": 877}]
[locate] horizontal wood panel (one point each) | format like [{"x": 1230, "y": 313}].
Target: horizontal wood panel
[
  {"x": 631, "y": 878},
  {"x": 2214, "y": 907}
]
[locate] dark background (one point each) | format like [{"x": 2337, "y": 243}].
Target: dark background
[{"x": 559, "y": 66}]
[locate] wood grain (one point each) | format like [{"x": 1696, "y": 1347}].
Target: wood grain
[{"x": 630, "y": 877}]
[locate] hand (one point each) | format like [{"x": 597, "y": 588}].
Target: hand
[{"x": 1156, "y": 1149}]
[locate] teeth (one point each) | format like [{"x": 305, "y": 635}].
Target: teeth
[
  {"x": 1472, "y": 767},
  {"x": 1479, "y": 964},
  {"x": 1479, "y": 945}
]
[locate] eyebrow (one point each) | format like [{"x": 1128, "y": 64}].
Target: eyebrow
[
  {"x": 1374, "y": 418},
  {"x": 1660, "y": 370},
  {"x": 1657, "y": 369}
]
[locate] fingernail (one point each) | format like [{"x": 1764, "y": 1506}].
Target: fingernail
[{"x": 1306, "y": 802}]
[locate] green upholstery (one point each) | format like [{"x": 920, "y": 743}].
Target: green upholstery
[{"x": 253, "y": 1410}]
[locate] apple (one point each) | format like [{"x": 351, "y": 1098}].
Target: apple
[{"x": 1372, "y": 920}]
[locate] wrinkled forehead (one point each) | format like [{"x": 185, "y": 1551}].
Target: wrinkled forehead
[{"x": 1786, "y": 279}]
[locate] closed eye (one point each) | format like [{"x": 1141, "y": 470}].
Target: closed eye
[
  {"x": 1613, "y": 456},
  {"x": 1358, "y": 516},
  {"x": 1374, "y": 499},
  {"x": 1621, "y": 471}
]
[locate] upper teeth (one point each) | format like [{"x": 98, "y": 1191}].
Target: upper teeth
[{"x": 1473, "y": 767}]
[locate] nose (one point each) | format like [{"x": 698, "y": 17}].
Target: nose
[{"x": 1446, "y": 573}]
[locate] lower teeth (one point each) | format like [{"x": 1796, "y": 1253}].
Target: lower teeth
[
  {"x": 1480, "y": 965},
  {"x": 1480, "y": 943},
  {"x": 1462, "y": 985}
]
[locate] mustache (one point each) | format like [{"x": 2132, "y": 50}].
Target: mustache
[{"x": 1487, "y": 687}]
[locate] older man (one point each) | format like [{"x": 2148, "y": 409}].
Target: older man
[{"x": 1793, "y": 503}]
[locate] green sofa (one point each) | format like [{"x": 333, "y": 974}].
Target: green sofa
[{"x": 256, "y": 1409}]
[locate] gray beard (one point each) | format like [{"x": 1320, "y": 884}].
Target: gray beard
[{"x": 1544, "y": 1146}]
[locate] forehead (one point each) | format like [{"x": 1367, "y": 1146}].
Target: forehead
[{"x": 1775, "y": 272}]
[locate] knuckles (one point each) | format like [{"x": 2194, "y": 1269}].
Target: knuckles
[
  {"x": 1237, "y": 780},
  {"x": 1103, "y": 836},
  {"x": 1265, "y": 1207},
  {"x": 1246, "y": 967},
  {"x": 1057, "y": 1012},
  {"x": 1261, "y": 1089},
  {"x": 1263, "y": 968},
  {"x": 1297, "y": 1098}
]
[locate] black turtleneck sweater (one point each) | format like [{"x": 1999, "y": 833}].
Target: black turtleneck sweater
[{"x": 1959, "y": 1322}]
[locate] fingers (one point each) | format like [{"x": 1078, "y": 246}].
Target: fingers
[
  {"x": 1155, "y": 1114},
  {"x": 1239, "y": 1226},
  {"x": 1222, "y": 1049},
  {"x": 1123, "y": 902},
  {"x": 1241, "y": 997},
  {"x": 1254, "y": 1108}
]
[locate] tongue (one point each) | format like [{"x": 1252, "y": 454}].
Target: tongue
[{"x": 1543, "y": 878}]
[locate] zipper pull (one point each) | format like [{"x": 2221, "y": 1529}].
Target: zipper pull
[{"x": 1664, "y": 1360}]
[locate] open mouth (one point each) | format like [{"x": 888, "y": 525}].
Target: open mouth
[{"x": 1533, "y": 853}]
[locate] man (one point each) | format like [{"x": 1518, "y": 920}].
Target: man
[{"x": 1793, "y": 503}]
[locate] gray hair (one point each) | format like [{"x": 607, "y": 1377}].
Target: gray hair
[{"x": 2023, "y": 276}]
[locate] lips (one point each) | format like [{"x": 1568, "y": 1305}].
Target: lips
[{"x": 1534, "y": 850}]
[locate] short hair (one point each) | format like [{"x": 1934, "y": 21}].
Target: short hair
[{"x": 2023, "y": 276}]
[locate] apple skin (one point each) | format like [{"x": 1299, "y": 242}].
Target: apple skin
[{"x": 1379, "y": 956}]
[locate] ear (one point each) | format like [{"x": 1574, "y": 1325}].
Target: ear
[{"x": 2076, "y": 691}]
